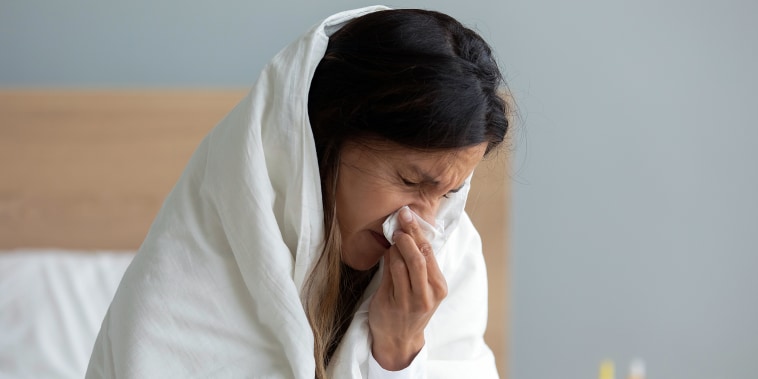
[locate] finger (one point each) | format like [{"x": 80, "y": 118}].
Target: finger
[
  {"x": 384, "y": 292},
  {"x": 415, "y": 262},
  {"x": 437, "y": 281},
  {"x": 401, "y": 286},
  {"x": 386, "y": 276},
  {"x": 410, "y": 226}
]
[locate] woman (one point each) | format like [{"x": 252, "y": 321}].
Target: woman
[{"x": 270, "y": 257}]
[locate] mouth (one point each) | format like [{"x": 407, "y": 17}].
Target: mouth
[{"x": 381, "y": 240}]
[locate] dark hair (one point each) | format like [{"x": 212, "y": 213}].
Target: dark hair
[{"x": 414, "y": 77}]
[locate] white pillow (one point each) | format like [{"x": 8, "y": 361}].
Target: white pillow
[{"x": 52, "y": 303}]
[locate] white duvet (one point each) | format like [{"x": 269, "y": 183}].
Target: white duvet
[{"x": 215, "y": 289}]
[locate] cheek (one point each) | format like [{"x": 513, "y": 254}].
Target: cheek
[
  {"x": 353, "y": 198},
  {"x": 365, "y": 205},
  {"x": 366, "y": 196},
  {"x": 383, "y": 203}
]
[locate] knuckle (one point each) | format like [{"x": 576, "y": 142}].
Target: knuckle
[
  {"x": 424, "y": 305},
  {"x": 430, "y": 304},
  {"x": 426, "y": 249},
  {"x": 413, "y": 227},
  {"x": 402, "y": 238},
  {"x": 416, "y": 261},
  {"x": 443, "y": 292},
  {"x": 397, "y": 265},
  {"x": 439, "y": 287}
]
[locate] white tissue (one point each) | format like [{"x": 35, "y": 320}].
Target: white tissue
[{"x": 434, "y": 233}]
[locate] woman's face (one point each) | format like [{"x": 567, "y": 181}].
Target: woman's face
[{"x": 374, "y": 182}]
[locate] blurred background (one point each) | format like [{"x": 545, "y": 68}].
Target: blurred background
[{"x": 634, "y": 223}]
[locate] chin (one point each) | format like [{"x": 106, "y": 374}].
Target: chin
[
  {"x": 361, "y": 264},
  {"x": 362, "y": 251},
  {"x": 363, "y": 261}
]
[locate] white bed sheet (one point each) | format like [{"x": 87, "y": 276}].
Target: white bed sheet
[{"x": 52, "y": 303}]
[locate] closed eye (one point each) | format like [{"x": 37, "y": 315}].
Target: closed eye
[
  {"x": 447, "y": 195},
  {"x": 409, "y": 183}
]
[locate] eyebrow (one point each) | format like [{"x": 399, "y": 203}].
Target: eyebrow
[{"x": 429, "y": 179}]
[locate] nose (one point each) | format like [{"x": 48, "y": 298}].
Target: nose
[{"x": 426, "y": 209}]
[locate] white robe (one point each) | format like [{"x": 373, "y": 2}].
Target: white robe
[{"x": 215, "y": 288}]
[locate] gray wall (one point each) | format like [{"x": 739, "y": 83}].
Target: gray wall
[
  {"x": 635, "y": 216},
  {"x": 636, "y": 219},
  {"x": 160, "y": 43}
]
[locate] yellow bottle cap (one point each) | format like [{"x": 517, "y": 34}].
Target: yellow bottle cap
[{"x": 607, "y": 370}]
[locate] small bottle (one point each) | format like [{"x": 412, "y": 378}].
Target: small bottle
[
  {"x": 637, "y": 369},
  {"x": 607, "y": 370}
]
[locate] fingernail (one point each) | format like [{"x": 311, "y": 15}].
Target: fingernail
[{"x": 406, "y": 215}]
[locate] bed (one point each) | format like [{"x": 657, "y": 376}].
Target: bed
[{"x": 84, "y": 172}]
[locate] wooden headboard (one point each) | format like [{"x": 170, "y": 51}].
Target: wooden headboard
[{"x": 90, "y": 170}]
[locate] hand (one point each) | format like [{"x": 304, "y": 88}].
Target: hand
[{"x": 410, "y": 291}]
